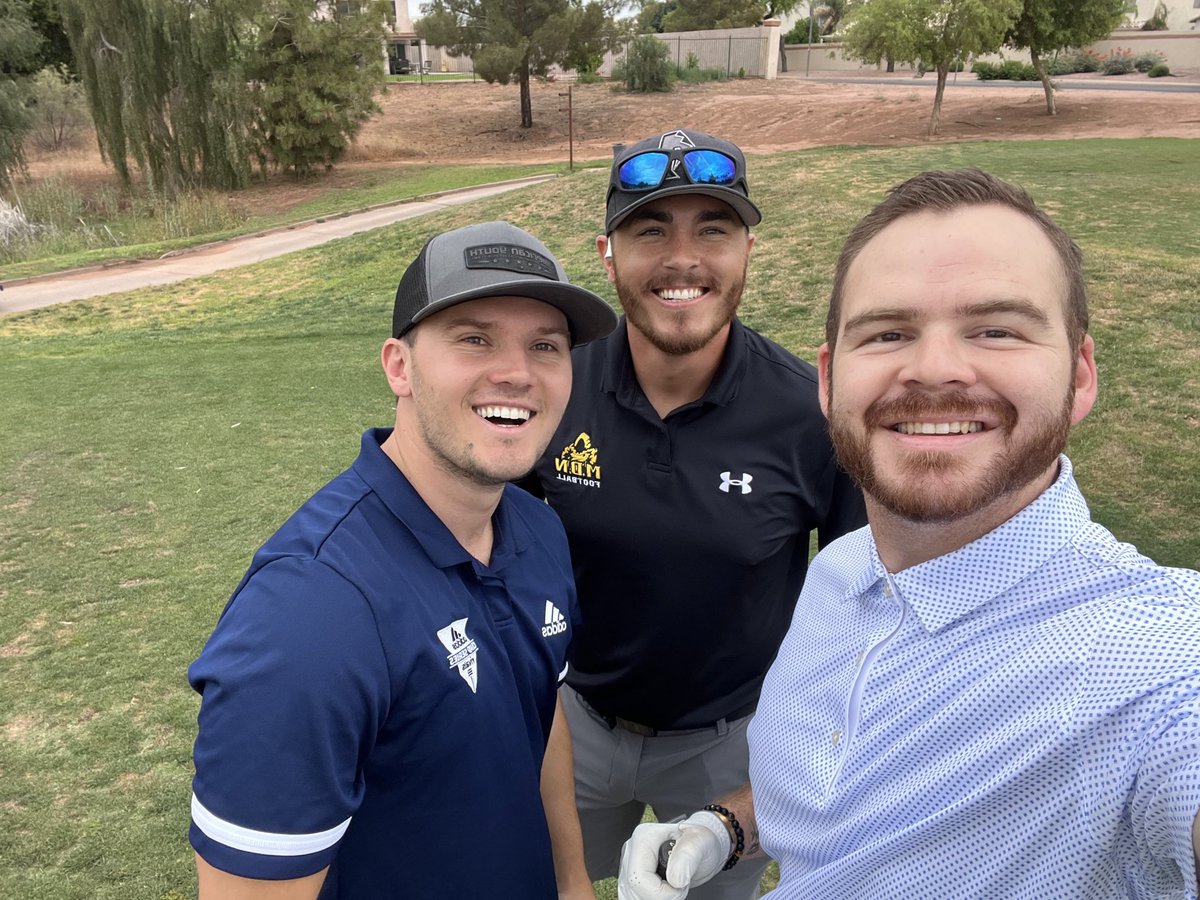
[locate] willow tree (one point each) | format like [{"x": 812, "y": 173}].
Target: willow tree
[
  {"x": 19, "y": 47},
  {"x": 166, "y": 87},
  {"x": 933, "y": 33}
]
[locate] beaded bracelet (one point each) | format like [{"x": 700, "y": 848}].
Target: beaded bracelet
[{"x": 735, "y": 832}]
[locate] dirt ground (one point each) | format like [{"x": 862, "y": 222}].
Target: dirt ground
[{"x": 476, "y": 122}]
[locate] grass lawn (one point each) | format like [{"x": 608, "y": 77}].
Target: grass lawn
[{"x": 152, "y": 440}]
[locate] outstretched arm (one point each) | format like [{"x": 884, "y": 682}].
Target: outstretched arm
[
  {"x": 558, "y": 799},
  {"x": 218, "y": 885},
  {"x": 705, "y": 843}
]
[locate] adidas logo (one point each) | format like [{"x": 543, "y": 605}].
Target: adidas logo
[{"x": 556, "y": 622}]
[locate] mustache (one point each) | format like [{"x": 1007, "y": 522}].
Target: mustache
[{"x": 958, "y": 405}]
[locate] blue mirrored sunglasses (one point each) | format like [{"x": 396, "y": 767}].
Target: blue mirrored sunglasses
[{"x": 648, "y": 170}]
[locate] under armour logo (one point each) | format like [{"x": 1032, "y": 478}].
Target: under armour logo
[{"x": 743, "y": 482}]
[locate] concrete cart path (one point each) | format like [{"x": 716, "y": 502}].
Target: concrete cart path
[{"x": 78, "y": 284}]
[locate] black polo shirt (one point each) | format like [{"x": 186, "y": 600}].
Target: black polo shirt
[{"x": 690, "y": 535}]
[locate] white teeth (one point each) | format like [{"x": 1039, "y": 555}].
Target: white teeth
[
  {"x": 503, "y": 412},
  {"x": 680, "y": 293},
  {"x": 939, "y": 427}
]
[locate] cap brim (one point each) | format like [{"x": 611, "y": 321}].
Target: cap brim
[
  {"x": 588, "y": 316},
  {"x": 742, "y": 205}
]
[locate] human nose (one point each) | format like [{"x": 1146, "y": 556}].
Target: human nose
[
  {"x": 511, "y": 365},
  {"x": 682, "y": 252},
  {"x": 938, "y": 359}
]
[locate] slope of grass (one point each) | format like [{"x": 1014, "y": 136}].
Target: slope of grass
[{"x": 152, "y": 440}]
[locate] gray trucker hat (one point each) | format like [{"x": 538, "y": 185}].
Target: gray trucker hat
[{"x": 494, "y": 259}]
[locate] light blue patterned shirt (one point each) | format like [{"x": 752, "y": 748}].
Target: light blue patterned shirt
[{"x": 1017, "y": 719}]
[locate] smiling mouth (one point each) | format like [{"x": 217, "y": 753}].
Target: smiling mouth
[
  {"x": 680, "y": 294},
  {"x": 968, "y": 427},
  {"x": 506, "y": 416}
]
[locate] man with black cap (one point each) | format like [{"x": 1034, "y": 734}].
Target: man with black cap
[
  {"x": 379, "y": 692},
  {"x": 690, "y": 468}
]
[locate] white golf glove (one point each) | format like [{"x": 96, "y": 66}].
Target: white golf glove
[{"x": 702, "y": 846}]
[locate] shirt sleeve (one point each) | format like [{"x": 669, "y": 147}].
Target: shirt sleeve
[
  {"x": 1166, "y": 796},
  {"x": 294, "y": 687}
]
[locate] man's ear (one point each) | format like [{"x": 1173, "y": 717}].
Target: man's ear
[
  {"x": 824, "y": 361},
  {"x": 605, "y": 248},
  {"x": 396, "y": 357},
  {"x": 1087, "y": 381}
]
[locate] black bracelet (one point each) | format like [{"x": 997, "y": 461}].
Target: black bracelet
[{"x": 739, "y": 836}]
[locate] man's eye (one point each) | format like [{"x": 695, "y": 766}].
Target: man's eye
[
  {"x": 546, "y": 346},
  {"x": 888, "y": 337},
  {"x": 995, "y": 333}
]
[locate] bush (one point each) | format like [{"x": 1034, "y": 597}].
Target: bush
[
  {"x": 1119, "y": 62},
  {"x": 693, "y": 61},
  {"x": 1158, "y": 70},
  {"x": 1009, "y": 70},
  {"x": 646, "y": 67},
  {"x": 1015, "y": 70},
  {"x": 799, "y": 33},
  {"x": 1079, "y": 61},
  {"x": 59, "y": 110},
  {"x": 694, "y": 75},
  {"x": 1144, "y": 62}
]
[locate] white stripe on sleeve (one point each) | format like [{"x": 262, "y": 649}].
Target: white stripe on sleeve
[{"x": 263, "y": 842}]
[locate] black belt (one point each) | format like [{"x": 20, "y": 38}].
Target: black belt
[{"x": 614, "y": 722}]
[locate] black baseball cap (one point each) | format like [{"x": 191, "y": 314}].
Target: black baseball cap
[
  {"x": 729, "y": 184},
  {"x": 494, "y": 259}
]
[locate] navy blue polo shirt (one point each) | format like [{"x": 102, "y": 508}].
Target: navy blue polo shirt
[
  {"x": 376, "y": 700},
  {"x": 690, "y": 534}
]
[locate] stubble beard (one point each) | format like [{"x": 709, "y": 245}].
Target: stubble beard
[
  {"x": 960, "y": 492},
  {"x": 676, "y": 338},
  {"x": 458, "y": 461}
]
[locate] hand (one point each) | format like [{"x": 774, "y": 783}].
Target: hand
[{"x": 702, "y": 846}]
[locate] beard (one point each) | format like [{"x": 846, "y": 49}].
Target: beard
[
  {"x": 457, "y": 457},
  {"x": 929, "y": 486},
  {"x": 688, "y": 330}
]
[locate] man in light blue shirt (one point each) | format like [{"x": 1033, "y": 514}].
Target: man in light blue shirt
[{"x": 983, "y": 693}]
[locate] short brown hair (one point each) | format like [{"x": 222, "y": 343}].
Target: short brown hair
[{"x": 948, "y": 190}]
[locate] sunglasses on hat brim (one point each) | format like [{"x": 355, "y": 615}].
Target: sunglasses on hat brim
[{"x": 647, "y": 171}]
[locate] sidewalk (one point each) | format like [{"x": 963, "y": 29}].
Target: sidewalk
[{"x": 95, "y": 281}]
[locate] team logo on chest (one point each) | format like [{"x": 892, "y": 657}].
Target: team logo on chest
[
  {"x": 464, "y": 652},
  {"x": 579, "y": 462}
]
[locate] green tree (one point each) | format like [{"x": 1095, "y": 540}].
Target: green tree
[
  {"x": 59, "y": 110},
  {"x": 315, "y": 78},
  {"x": 515, "y": 39},
  {"x": 651, "y": 14},
  {"x": 56, "y": 48},
  {"x": 1045, "y": 26},
  {"x": 647, "y": 65},
  {"x": 166, "y": 87},
  {"x": 20, "y": 45},
  {"x": 932, "y": 33},
  {"x": 702, "y": 15}
]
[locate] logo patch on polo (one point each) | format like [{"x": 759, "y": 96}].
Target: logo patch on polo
[
  {"x": 743, "y": 482},
  {"x": 464, "y": 653},
  {"x": 556, "y": 622},
  {"x": 579, "y": 462},
  {"x": 510, "y": 258}
]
